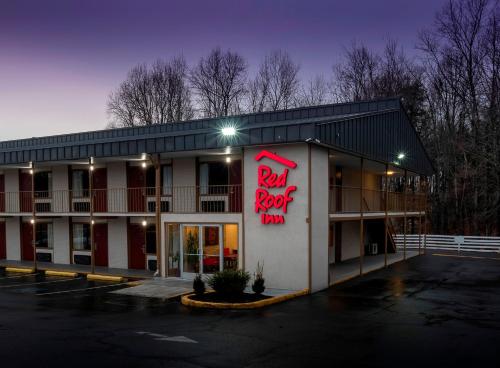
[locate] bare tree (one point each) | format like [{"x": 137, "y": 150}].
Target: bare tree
[
  {"x": 315, "y": 92},
  {"x": 219, "y": 81},
  {"x": 276, "y": 85},
  {"x": 155, "y": 95}
]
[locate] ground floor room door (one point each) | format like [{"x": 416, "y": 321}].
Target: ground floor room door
[
  {"x": 137, "y": 244},
  {"x": 202, "y": 247},
  {"x": 101, "y": 244},
  {"x": 26, "y": 241},
  {"x": 3, "y": 243}
]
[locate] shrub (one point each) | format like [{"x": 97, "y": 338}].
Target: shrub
[
  {"x": 229, "y": 282},
  {"x": 258, "y": 282},
  {"x": 198, "y": 285}
]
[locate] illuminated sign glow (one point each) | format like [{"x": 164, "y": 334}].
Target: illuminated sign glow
[{"x": 267, "y": 179}]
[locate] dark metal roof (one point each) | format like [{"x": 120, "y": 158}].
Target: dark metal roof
[{"x": 375, "y": 129}]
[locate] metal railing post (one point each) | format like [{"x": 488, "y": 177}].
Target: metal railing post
[
  {"x": 33, "y": 214},
  {"x": 386, "y": 213},
  {"x": 361, "y": 229},
  {"x": 91, "y": 217},
  {"x": 404, "y": 214}
]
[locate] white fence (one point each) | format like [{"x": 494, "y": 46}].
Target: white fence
[{"x": 449, "y": 242}]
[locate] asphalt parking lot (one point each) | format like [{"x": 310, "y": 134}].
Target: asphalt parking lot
[{"x": 430, "y": 311}]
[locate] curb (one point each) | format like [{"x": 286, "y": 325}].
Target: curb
[
  {"x": 19, "y": 269},
  {"x": 61, "y": 273},
  {"x": 185, "y": 300},
  {"x": 97, "y": 277}
]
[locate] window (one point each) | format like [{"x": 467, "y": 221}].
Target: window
[
  {"x": 44, "y": 236},
  {"x": 214, "y": 177},
  {"x": 151, "y": 239},
  {"x": 81, "y": 236},
  {"x": 43, "y": 184},
  {"x": 80, "y": 183},
  {"x": 230, "y": 251},
  {"x": 166, "y": 179}
]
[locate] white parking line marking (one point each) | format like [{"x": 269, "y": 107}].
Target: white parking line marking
[
  {"x": 160, "y": 337},
  {"x": 19, "y": 276},
  {"x": 37, "y": 283},
  {"x": 82, "y": 289}
]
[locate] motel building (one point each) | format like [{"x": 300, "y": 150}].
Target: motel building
[{"x": 317, "y": 194}]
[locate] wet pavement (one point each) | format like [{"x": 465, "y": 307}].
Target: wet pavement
[{"x": 429, "y": 311}]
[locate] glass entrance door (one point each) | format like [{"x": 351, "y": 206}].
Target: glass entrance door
[{"x": 202, "y": 247}]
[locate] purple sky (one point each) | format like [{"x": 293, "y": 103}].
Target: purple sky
[{"x": 60, "y": 59}]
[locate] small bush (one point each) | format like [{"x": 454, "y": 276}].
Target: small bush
[
  {"x": 198, "y": 285},
  {"x": 258, "y": 282},
  {"x": 229, "y": 282}
]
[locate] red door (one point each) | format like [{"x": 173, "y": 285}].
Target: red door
[
  {"x": 100, "y": 184},
  {"x": 101, "y": 244},
  {"x": 137, "y": 245},
  {"x": 136, "y": 182},
  {"x": 26, "y": 241},
  {"x": 2, "y": 193},
  {"x": 235, "y": 187},
  {"x": 3, "y": 248},
  {"x": 25, "y": 192}
]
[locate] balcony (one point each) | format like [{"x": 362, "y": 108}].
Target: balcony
[
  {"x": 348, "y": 200},
  {"x": 177, "y": 199}
]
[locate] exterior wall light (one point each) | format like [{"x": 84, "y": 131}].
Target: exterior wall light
[
  {"x": 32, "y": 221},
  {"x": 91, "y": 167},
  {"x": 92, "y": 222},
  {"x": 228, "y": 160},
  {"x": 31, "y": 171},
  {"x": 144, "y": 165},
  {"x": 228, "y": 131},
  {"x": 401, "y": 156},
  {"x": 144, "y": 223},
  {"x": 390, "y": 172},
  {"x": 228, "y": 150}
]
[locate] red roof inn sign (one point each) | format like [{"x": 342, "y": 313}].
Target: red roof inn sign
[{"x": 267, "y": 179}]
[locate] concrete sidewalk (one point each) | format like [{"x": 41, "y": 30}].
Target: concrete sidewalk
[
  {"x": 160, "y": 288},
  {"x": 83, "y": 269}
]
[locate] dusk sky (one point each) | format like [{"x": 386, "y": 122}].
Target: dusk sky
[{"x": 59, "y": 60}]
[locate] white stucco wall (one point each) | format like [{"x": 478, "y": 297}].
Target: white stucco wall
[
  {"x": 60, "y": 186},
  {"x": 61, "y": 240},
  {"x": 184, "y": 182},
  {"x": 117, "y": 243},
  {"x": 283, "y": 248},
  {"x": 117, "y": 184},
  {"x": 13, "y": 238},
  {"x": 319, "y": 218},
  {"x": 11, "y": 178},
  {"x": 350, "y": 240}
]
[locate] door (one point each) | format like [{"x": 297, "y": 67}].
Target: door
[
  {"x": 235, "y": 187},
  {"x": 25, "y": 200},
  {"x": 337, "y": 233},
  {"x": 137, "y": 243},
  {"x": 2, "y": 193},
  {"x": 26, "y": 241},
  {"x": 101, "y": 244},
  {"x": 136, "y": 181},
  {"x": 3, "y": 243},
  {"x": 202, "y": 247},
  {"x": 211, "y": 240},
  {"x": 100, "y": 184}
]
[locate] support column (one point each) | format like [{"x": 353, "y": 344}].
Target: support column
[
  {"x": 33, "y": 214},
  {"x": 425, "y": 213},
  {"x": 157, "y": 166},
  {"x": 91, "y": 216},
  {"x": 386, "y": 221},
  {"x": 361, "y": 230},
  {"x": 419, "y": 216},
  {"x": 404, "y": 215}
]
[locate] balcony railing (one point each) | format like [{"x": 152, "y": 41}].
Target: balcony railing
[
  {"x": 177, "y": 199},
  {"x": 349, "y": 200}
]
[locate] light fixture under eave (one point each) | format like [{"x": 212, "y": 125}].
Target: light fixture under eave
[
  {"x": 401, "y": 156},
  {"x": 92, "y": 222},
  {"x": 228, "y": 131},
  {"x": 32, "y": 221},
  {"x": 144, "y": 223},
  {"x": 390, "y": 172},
  {"x": 144, "y": 165},
  {"x": 31, "y": 171},
  {"x": 228, "y": 160},
  {"x": 91, "y": 167}
]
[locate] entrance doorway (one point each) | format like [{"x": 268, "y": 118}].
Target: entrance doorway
[{"x": 202, "y": 248}]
